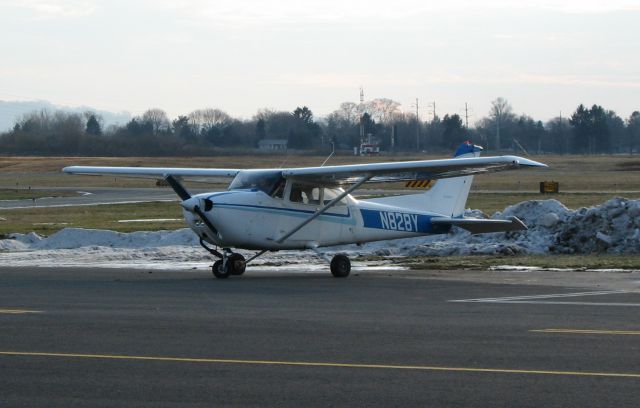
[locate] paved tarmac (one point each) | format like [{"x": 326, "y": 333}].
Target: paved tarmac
[{"x": 102, "y": 338}]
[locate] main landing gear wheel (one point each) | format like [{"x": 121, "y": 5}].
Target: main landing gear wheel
[
  {"x": 220, "y": 270},
  {"x": 340, "y": 266},
  {"x": 237, "y": 264}
]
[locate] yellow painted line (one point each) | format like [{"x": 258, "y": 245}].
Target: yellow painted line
[
  {"x": 580, "y": 331},
  {"x": 322, "y": 364},
  {"x": 18, "y": 311}
]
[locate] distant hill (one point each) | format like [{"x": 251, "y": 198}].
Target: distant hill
[{"x": 12, "y": 111}]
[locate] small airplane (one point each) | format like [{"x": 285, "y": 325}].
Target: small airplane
[{"x": 312, "y": 207}]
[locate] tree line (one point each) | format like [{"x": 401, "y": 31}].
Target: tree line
[{"x": 588, "y": 130}]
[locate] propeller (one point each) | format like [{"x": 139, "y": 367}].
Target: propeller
[
  {"x": 177, "y": 187},
  {"x": 191, "y": 204}
]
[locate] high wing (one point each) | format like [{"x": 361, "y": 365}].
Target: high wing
[
  {"x": 335, "y": 175},
  {"x": 410, "y": 170},
  {"x": 154, "y": 172}
]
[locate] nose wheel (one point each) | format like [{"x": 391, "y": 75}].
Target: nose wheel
[{"x": 231, "y": 263}]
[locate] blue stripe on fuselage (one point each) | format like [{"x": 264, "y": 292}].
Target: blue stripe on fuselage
[{"x": 401, "y": 221}]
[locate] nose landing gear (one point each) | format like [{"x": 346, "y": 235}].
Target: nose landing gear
[{"x": 231, "y": 264}]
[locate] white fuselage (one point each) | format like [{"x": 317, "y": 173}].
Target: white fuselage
[{"x": 251, "y": 219}]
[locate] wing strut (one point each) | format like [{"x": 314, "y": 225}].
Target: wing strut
[{"x": 324, "y": 209}]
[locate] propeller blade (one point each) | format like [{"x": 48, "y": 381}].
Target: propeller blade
[
  {"x": 177, "y": 187},
  {"x": 184, "y": 195}
]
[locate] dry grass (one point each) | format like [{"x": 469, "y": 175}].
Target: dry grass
[
  {"x": 483, "y": 262},
  {"x": 574, "y": 173},
  {"x": 584, "y": 181},
  {"x": 47, "y": 220}
]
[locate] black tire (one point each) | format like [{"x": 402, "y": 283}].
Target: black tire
[
  {"x": 237, "y": 263},
  {"x": 340, "y": 266},
  {"x": 220, "y": 272}
]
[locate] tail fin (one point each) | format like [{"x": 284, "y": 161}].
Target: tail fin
[{"x": 449, "y": 196}]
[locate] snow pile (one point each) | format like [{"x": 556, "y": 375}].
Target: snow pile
[
  {"x": 70, "y": 238},
  {"x": 613, "y": 227},
  {"x": 19, "y": 242}
]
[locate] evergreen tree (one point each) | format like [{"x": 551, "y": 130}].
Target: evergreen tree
[{"x": 93, "y": 126}]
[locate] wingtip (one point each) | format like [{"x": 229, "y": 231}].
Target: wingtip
[{"x": 531, "y": 163}]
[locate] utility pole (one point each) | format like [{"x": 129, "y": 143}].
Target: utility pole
[
  {"x": 466, "y": 116},
  {"x": 361, "y": 117},
  {"x": 433, "y": 106},
  {"x": 563, "y": 135}
]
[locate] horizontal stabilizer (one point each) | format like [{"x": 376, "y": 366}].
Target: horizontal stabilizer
[{"x": 479, "y": 225}]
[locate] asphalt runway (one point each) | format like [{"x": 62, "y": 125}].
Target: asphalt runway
[{"x": 103, "y": 338}]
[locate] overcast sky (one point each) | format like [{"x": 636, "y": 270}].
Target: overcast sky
[{"x": 543, "y": 56}]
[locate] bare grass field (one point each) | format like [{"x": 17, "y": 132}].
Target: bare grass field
[
  {"x": 584, "y": 181},
  {"x": 574, "y": 173},
  {"x": 47, "y": 220},
  {"x": 483, "y": 262}
]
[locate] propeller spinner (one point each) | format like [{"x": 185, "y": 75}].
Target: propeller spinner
[{"x": 192, "y": 204}]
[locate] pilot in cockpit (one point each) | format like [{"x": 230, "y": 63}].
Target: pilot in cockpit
[{"x": 296, "y": 194}]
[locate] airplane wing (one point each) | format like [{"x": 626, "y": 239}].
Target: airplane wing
[
  {"x": 335, "y": 175},
  {"x": 410, "y": 170},
  {"x": 154, "y": 172},
  {"x": 479, "y": 225}
]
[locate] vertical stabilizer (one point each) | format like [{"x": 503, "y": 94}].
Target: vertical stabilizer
[{"x": 448, "y": 196}]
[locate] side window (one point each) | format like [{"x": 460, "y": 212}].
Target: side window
[
  {"x": 279, "y": 189},
  {"x": 313, "y": 195},
  {"x": 296, "y": 193},
  {"x": 305, "y": 194},
  {"x": 330, "y": 194}
]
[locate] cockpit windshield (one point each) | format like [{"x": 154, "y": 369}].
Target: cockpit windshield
[{"x": 267, "y": 181}]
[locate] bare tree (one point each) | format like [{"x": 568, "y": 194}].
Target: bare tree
[
  {"x": 157, "y": 118},
  {"x": 208, "y": 118},
  {"x": 383, "y": 109},
  {"x": 349, "y": 112}
]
